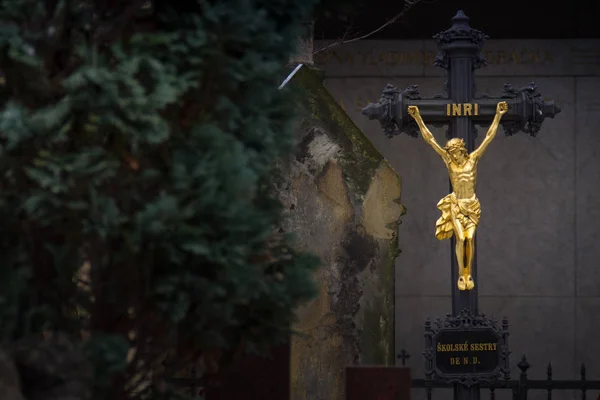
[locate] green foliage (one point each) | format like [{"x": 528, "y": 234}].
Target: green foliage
[
  {"x": 108, "y": 355},
  {"x": 139, "y": 137}
]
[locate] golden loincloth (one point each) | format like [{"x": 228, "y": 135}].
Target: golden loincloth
[{"x": 467, "y": 211}]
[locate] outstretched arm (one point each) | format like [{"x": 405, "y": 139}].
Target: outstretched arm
[
  {"x": 501, "y": 109},
  {"x": 427, "y": 135}
]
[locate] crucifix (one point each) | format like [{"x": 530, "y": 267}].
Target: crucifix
[
  {"x": 516, "y": 109},
  {"x": 460, "y": 209}
]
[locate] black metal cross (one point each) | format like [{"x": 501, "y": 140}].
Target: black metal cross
[
  {"x": 403, "y": 356},
  {"x": 459, "y": 53}
]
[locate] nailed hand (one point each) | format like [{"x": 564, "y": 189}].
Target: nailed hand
[
  {"x": 413, "y": 111},
  {"x": 502, "y": 108}
]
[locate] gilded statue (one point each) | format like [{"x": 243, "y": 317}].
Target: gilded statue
[{"x": 460, "y": 209}]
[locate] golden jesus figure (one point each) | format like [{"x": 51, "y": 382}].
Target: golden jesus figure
[{"x": 460, "y": 209}]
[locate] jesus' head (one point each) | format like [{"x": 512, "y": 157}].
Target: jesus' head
[{"x": 457, "y": 150}]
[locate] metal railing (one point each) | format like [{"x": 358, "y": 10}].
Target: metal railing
[
  {"x": 520, "y": 388},
  {"x": 588, "y": 389}
]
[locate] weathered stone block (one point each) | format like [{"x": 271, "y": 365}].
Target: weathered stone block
[{"x": 342, "y": 200}]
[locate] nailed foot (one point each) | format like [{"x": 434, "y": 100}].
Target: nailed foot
[
  {"x": 470, "y": 283},
  {"x": 462, "y": 284}
]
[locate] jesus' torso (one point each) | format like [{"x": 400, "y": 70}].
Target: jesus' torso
[{"x": 463, "y": 177}]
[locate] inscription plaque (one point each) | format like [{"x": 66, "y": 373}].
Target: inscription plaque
[{"x": 467, "y": 349}]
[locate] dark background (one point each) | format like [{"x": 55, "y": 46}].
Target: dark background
[{"x": 505, "y": 19}]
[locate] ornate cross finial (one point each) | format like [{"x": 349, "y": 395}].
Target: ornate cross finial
[
  {"x": 460, "y": 21},
  {"x": 460, "y": 38}
]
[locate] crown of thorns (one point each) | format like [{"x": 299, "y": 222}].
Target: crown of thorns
[{"x": 455, "y": 144}]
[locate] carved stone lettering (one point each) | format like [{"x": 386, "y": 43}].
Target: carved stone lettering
[{"x": 380, "y": 58}]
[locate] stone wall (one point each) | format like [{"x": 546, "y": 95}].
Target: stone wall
[
  {"x": 342, "y": 199},
  {"x": 538, "y": 239}
]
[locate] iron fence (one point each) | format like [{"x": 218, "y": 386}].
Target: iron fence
[
  {"x": 588, "y": 389},
  {"x": 519, "y": 388}
]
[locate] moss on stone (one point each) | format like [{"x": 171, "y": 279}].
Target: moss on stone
[
  {"x": 361, "y": 158},
  {"x": 346, "y": 208},
  {"x": 377, "y": 334},
  {"x": 388, "y": 273},
  {"x": 373, "y": 341},
  {"x": 388, "y": 277}
]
